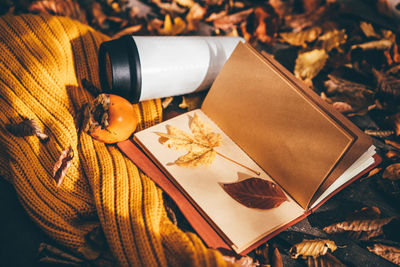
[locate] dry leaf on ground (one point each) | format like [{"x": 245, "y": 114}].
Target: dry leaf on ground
[
  {"x": 172, "y": 28},
  {"x": 387, "y": 84},
  {"x": 392, "y": 172},
  {"x": 366, "y": 212},
  {"x": 378, "y": 45},
  {"x": 243, "y": 261},
  {"x": 327, "y": 260},
  {"x": 388, "y": 252},
  {"x": 360, "y": 229},
  {"x": 313, "y": 248},
  {"x": 342, "y": 107},
  {"x": 169, "y": 7},
  {"x": 266, "y": 24},
  {"x": 332, "y": 39},
  {"x": 67, "y": 8},
  {"x": 256, "y": 193},
  {"x": 368, "y": 30},
  {"x": 62, "y": 165},
  {"x": 303, "y": 37},
  {"x": 229, "y": 21},
  {"x": 194, "y": 16},
  {"x": 309, "y": 64}
]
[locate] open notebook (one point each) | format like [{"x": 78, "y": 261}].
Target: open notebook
[{"x": 273, "y": 128}]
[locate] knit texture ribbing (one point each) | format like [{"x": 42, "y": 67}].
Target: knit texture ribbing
[{"x": 44, "y": 60}]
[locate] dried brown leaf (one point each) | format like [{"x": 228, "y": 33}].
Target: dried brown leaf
[
  {"x": 167, "y": 101},
  {"x": 309, "y": 64},
  {"x": 303, "y": 37},
  {"x": 169, "y": 7},
  {"x": 332, "y": 39},
  {"x": 359, "y": 229},
  {"x": 215, "y": 16},
  {"x": 256, "y": 193},
  {"x": 327, "y": 260},
  {"x": 172, "y": 28},
  {"x": 242, "y": 261},
  {"x": 194, "y": 16},
  {"x": 366, "y": 212},
  {"x": 389, "y": 253},
  {"x": 276, "y": 259},
  {"x": 368, "y": 30},
  {"x": 228, "y": 22},
  {"x": 67, "y": 8},
  {"x": 310, "y": 6},
  {"x": 342, "y": 107},
  {"x": 282, "y": 8},
  {"x": 387, "y": 84},
  {"x": 393, "y": 155},
  {"x": 392, "y": 172},
  {"x": 63, "y": 163},
  {"x": 27, "y": 128},
  {"x": 266, "y": 24},
  {"x": 397, "y": 123},
  {"x": 299, "y": 22},
  {"x": 128, "y": 31},
  {"x": 313, "y": 248},
  {"x": 379, "y": 133},
  {"x": 359, "y": 96},
  {"x": 378, "y": 45},
  {"x": 392, "y": 143},
  {"x": 186, "y": 3}
]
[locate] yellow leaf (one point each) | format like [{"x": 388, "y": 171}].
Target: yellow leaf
[
  {"x": 309, "y": 64},
  {"x": 303, "y": 37},
  {"x": 200, "y": 145},
  {"x": 194, "y": 159},
  {"x": 333, "y": 39},
  {"x": 186, "y": 3},
  {"x": 204, "y": 134},
  {"x": 368, "y": 29},
  {"x": 194, "y": 16},
  {"x": 175, "y": 28},
  {"x": 314, "y": 248},
  {"x": 388, "y": 252}
]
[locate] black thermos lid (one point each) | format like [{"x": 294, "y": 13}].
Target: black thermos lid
[{"x": 119, "y": 68}]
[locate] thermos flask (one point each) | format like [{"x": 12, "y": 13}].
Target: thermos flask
[{"x": 146, "y": 67}]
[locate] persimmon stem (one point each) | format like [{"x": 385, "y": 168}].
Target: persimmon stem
[{"x": 225, "y": 157}]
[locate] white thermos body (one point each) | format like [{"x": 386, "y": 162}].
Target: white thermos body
[{"x": 146, "y": 67}]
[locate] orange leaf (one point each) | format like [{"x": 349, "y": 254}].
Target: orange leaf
[{"x": 392, "y": 143}]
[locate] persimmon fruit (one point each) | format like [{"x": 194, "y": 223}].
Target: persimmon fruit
[{"x": 109, "y": 118}]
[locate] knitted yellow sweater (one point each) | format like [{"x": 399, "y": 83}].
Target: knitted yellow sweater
[{"x": 42, "y": 64}]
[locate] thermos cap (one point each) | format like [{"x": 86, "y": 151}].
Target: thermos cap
[{"x": 119, "y": 68}]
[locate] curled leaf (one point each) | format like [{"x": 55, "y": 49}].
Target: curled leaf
[
  {"x": 342, "y": 107},
  {"x": 313, "y": 248},
  {"x": 172, "y": 28},
  {"x": 359, "y": 229},
  {"x": 303, "y": 37},
  {"x": 387, "y": 84},
  {"x": 63, "y": 163},
  {"x": 256, "y": 193},
  {"x": 228, "y": 22},
  {"x": 378, "y": 45},
  {"x": 387, "y": 252},
  {"x": 379, "y": 133},
  {"x": 327, "y": 260},
  {"x": 27, "y": 128},
  {"x": 194, "y": 16},
  {"x": 332, "y": 39},
  {"x": 309, "y": 64},
  {"x": 368, "y": 29},
  {"x": 392, "y": 172}
]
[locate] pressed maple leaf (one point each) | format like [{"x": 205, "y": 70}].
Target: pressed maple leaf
[
  {"x": 313, "y": 248},
  {"x": 200, "y": 145},
  {"x": 256, "y": 193}
]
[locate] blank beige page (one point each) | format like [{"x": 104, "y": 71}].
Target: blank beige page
[{"x": 267, "y": 116}]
